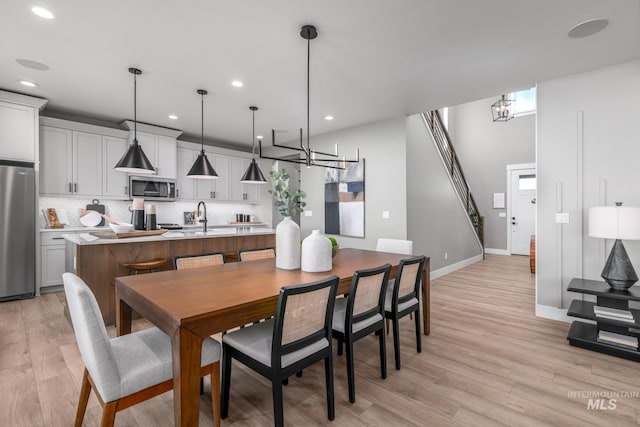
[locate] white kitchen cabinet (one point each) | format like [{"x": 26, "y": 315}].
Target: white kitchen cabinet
[
  {"x": 221, "y": 185},
  {"x": 52, "y": 252},
  {"x": 78, "y": 159},
  {"x": 185, "y": 185},
  {"x": 56, "y": 166},
  {"x": 87, "y": 163},
  {"x": 238, "y": 190},
  {"x": 19, "y": 126},
  {"x": 159, "y": 145},
  {"x": 71, "y": 162},
  {"x": 114, "y": 183},
  {"x": 215, "y": 189}
]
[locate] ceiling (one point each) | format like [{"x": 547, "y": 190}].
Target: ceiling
[{"x": 373, "y": 59}]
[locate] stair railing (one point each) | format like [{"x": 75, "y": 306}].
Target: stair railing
[{"x": 445, "y": 147}]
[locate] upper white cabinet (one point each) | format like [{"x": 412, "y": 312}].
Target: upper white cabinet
[
  {"x": 78, "y": 159},
  {"x": 226, "y": 188},
  {"x": 185, "y": 185},
  {"x": 160, "y": 146},
  {"x": 19, "y": 126},
  {"x": 238, "y": 190},
  {"x": 114, "y": 183},
  {"x": 87, "y": 163}
]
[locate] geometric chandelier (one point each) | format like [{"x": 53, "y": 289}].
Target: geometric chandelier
[
  {"x": 308, "y": 156},
  {"x": 501, "y": 109}
]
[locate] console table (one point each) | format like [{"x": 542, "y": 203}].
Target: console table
[{"x": 585, "y": 335}]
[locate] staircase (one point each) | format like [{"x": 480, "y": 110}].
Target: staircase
[{"x": 442, "y": 141}]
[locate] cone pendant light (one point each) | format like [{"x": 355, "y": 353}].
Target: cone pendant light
[
  {"x": 253, "y": 175},
  {"x": 134, "y": 160},
  {"x": 202, "y": 168}
]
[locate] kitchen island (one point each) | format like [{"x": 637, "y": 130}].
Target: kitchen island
[{"x": 99, "y": 261}]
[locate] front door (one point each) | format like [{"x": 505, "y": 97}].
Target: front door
[{"x": 522, "y": 209}]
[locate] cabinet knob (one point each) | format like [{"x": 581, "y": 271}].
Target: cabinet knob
[
  {"x": 75, "y": 187},
  {"x": 126, "y": 190},
  {"x": 177, "y": 192},
  {"x": 70, "y": 188}
]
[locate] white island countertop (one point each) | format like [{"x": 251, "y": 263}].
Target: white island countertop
[{"x": 89, "y": 239}]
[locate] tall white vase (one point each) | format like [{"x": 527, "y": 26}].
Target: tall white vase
[
  {"x": 288, "y": 245},
  {"x": 316, "y": 253}
]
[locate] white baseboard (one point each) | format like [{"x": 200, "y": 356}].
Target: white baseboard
[
  {"x": 453, "y": 267},
  {"x": 496, "y": 251},
  {"x": 553, "y": 313}
]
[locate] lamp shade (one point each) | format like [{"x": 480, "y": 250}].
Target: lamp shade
[
  {"x": 614, "y": 222},
  {"x": 253, "y": 175},
  {"x": 135, "y": 161},
  {"x": 202, "y": 168}
]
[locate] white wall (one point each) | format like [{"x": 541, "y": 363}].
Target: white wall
[
  {"x": 383, "y": 146},
  {"x": 588, "y": 152},
  {"x": 484, "y": 148},
  {"x": 436, "y": 221}
]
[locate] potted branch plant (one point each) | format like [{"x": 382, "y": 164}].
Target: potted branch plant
[
  {"x": 288, "y": 203},
  {"x": 287, "y": 232}
]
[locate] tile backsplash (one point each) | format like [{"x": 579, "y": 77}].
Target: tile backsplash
[{"x": 166, "y": 212}]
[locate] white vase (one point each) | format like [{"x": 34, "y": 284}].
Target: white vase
[
  {"x": 288, "y": 245},
  {"x": 316, "y": 253}
]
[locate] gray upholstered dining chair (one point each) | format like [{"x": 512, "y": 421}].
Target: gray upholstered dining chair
[
  {"x": 129, "y": 369},
  {"x": 395, "y": 246},
  {"x": 403, "y": 298},
  {"x": 360, "y": 314},
  {"x": 298, "y": 336},
  {"x": 196, "y": 261},
  {"x": 253, "y": 254}
]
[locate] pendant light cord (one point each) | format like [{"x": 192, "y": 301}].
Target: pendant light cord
[
  {"x": 253, "y": 138},
  {"x": 202, "y": 122},
  {"x": 135, "y": 112},
  {"x": 308, "y": 73}
]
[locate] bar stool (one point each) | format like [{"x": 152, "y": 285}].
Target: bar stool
[{"x": 145, "y": 266}]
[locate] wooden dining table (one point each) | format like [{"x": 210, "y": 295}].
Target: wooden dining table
[{"x": 190, "y": 305}]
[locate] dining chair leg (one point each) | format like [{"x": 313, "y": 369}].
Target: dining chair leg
[
  {"x": 383, "y": 354},
  {"x": 215, "y": 393},
  {"x": 350, "y": 373},
  {"x": 226, "y": 383},
  {"x": 418, "y": 334},
  {"x": 109, "y": 414},
  {"x": 396, "y": 342},
  {"x": 278, "y": 415},
  {"x": 328, "y": 373},
  {"x": 299, "y": 374},
  {"x": 340, "y": 345},
  {"x": 85, "y": 390}
]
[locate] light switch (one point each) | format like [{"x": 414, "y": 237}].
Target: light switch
[
  {"x": 308, "y": 213},
  {"x": 385, "y": 214},
  {"x": 502, "y": 214},
  {"x": 562, "y": 217}
]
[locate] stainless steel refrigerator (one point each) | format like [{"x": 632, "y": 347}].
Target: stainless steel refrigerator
[{"x": 17, "y": 230}]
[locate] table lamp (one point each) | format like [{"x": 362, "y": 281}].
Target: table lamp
[{"x": 616, "y": 222}]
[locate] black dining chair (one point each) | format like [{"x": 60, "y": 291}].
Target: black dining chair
[
  {"x": 298, "y": 336},
  {"x": 403, "y": 298},
  {"x": 360, "y": 314}
]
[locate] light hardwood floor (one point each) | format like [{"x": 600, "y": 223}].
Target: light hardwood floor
[{"x": 489, "y": 361}]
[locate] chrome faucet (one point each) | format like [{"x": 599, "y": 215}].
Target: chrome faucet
[{"x": 204, "y": 221}]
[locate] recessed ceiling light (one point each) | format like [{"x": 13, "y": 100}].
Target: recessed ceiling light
[
  {"x": 42, "y": 12},
  {"x": 259, "y": 136},
  {"x": 237, "y": 83},
  {"x": 328, "y": 117},
  {"x": 588, "y": 28},
  {"x": 27, "y": 83},
  {"x": 34, "y": 65},
  {"x": 173, "y": 117}
]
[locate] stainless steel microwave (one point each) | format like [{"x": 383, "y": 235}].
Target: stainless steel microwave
[{"x": 152, "y": 188}]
